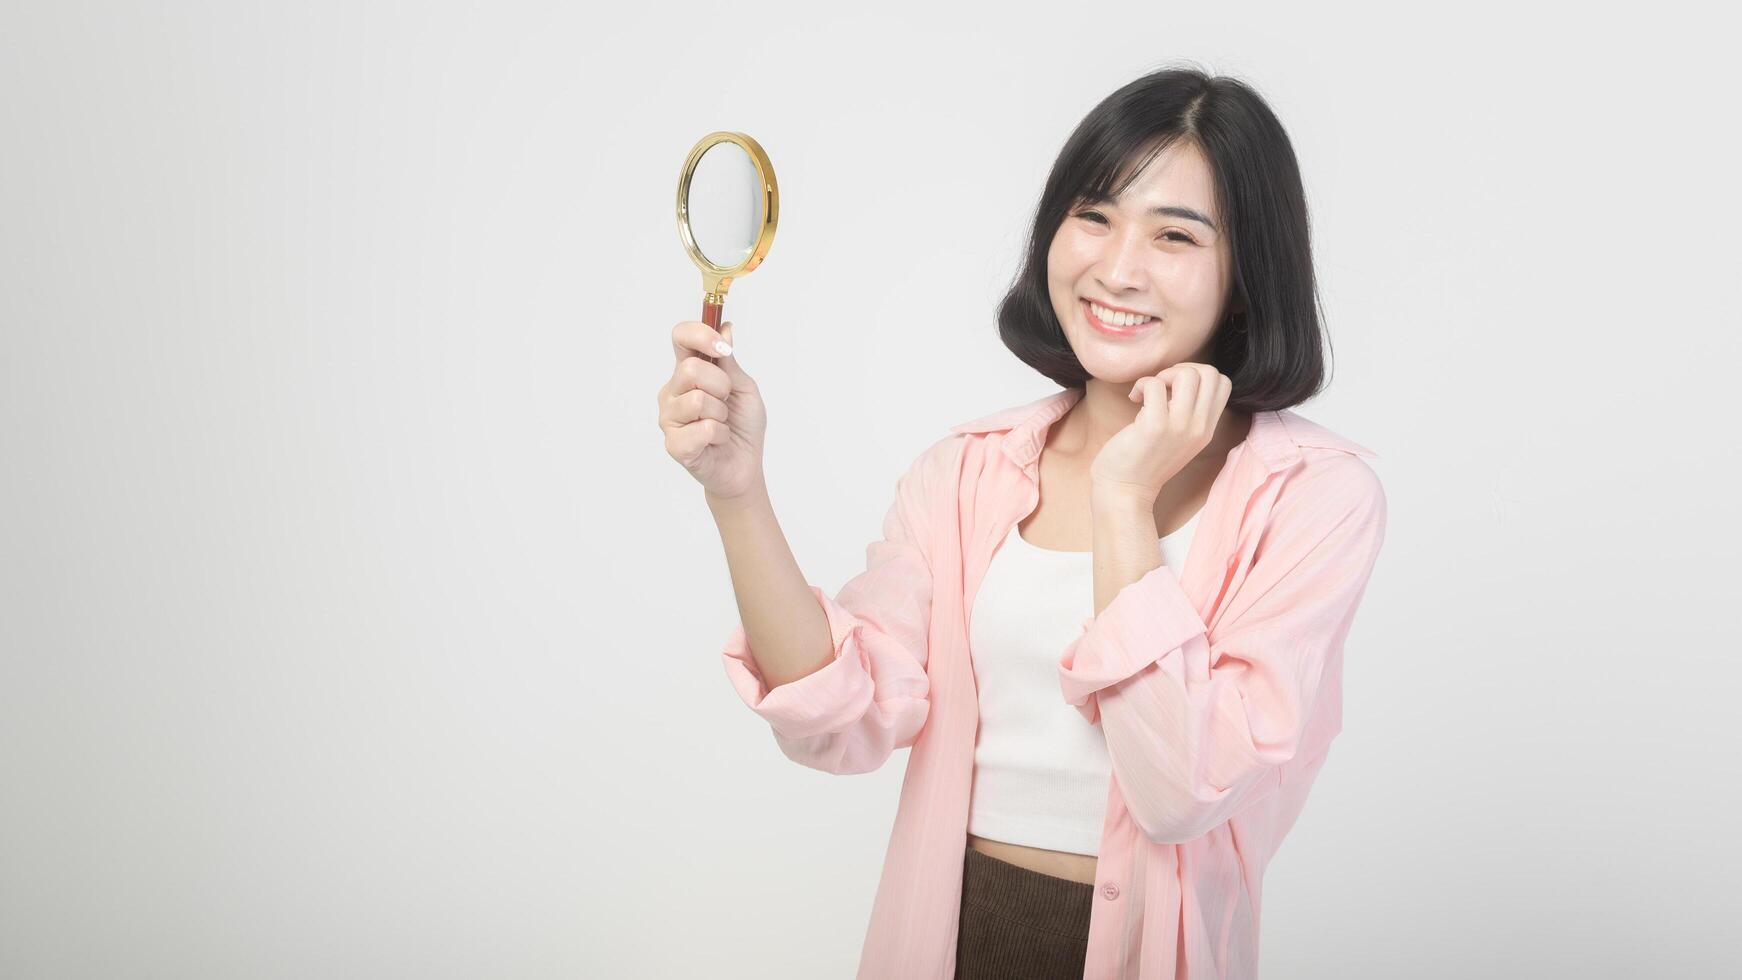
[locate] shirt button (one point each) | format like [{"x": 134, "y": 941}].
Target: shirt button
[{"x": 1109, "y": 891}]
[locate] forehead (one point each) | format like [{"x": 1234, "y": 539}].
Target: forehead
[{"x": 1179, "y": 174}]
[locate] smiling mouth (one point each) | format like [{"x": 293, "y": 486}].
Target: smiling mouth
[{"x": 1116, "y": 329}]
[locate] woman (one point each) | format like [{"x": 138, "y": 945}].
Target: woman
[{"x": 1086, "y": 796}]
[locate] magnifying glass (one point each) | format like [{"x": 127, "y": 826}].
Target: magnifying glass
[{"x": 727, "y": 207}]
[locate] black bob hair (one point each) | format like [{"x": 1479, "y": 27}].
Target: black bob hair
[{"x": 1270, "y": 338}]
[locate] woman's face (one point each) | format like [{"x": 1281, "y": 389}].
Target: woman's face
[{"x": 1174, "y": 267}]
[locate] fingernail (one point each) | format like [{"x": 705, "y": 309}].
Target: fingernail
[{"x": 723, "y": 347}]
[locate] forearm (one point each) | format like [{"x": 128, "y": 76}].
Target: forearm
[
  {"x": 786, "y": 630},
  {"x": 1126, "y": 542}
]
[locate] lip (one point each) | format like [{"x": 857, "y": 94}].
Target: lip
[{"x": 1089, "y": 314}]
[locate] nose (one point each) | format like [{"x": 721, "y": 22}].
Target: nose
[{"x": 1120, "y": 268}]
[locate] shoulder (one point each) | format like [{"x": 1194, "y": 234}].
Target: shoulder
[
  {"x": 936, "y": 463},
  {"x": 1330, "y": 475},
  {"x": 1337, "y": 480},
  {"x": 1331, "y": 502},
  {"x": 1305, "y": 434},
  {"x": 941, "y": 456}
]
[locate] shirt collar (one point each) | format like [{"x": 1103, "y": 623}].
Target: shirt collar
[{"x": 1276, "y": 437}]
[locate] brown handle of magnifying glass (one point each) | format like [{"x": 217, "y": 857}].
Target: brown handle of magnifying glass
[{"x": 711, "y": 316}]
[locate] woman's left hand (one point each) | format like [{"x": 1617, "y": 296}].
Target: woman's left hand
[{"x": 1181, "y": 406}]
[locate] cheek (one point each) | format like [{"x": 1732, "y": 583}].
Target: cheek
[
  {"x": 1069, "y": 255},
  {"x": 1198, "y": 281}
]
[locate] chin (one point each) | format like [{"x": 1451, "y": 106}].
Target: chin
[{"x": 1123, "y": 371}]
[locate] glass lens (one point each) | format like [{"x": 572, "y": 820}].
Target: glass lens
[{"x": 725, "y": 205}]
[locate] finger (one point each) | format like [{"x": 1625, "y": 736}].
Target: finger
[
  {"x": 695, "y": 372},
  {"x": 1204, "y": 395},
  {"x": 729, "y": 361},
  {"x": 1182, "y": 394},
  {"x": 1138, "y": 387},
  {"x": 1213, "y": 396},
  {"x": 686, "y": 442},
  {"x": 692, "y": 337},
  {"x": 1165, "y": 375},
  {"x": 697, "y": 404},
  {"x": 1152, "y": 396}
]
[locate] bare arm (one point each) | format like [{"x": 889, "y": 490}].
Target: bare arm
[
  {"x": 786, "y": 628},
  {"x": 1125, "y": 542},
  {"x": 842, "y": 679}
]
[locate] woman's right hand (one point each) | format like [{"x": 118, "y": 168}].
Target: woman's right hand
[{"x": 712, "y": 413}]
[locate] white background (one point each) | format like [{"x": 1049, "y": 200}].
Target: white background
[{"x": 353, "y": 621}]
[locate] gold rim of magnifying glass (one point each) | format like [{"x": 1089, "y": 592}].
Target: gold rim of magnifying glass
[{"x": 717, "y": 279}]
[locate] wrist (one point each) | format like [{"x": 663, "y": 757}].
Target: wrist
[
  {"x": 753, "y": 499},
  {"x": 1121, "y": 497}
]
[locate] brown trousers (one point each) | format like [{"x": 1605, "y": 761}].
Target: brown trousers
[{"x": 1018, "y": 924}]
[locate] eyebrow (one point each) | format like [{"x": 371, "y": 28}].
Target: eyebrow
[{"x": 1164, "y": 210}]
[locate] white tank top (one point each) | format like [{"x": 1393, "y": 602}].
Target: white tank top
[{"x": 1041, "y": 771}]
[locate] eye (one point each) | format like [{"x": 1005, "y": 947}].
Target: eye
[{"x": 1172, "y": 236}]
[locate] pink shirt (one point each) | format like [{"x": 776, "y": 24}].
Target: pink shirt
[{"x": 1218, "y": 691}]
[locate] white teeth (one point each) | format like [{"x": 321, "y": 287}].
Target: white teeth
[{"x": 1116, "y": 319}]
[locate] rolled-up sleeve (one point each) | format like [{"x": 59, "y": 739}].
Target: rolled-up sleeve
[
  {"x": 1196, "y": 725},
  {"x": 871, "y": 697}
]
